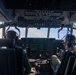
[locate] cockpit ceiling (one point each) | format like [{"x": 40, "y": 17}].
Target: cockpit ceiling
[{"x": 41, "y": 4}]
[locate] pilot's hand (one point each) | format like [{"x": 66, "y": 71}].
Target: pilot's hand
[{"x": 33, "y": 69}]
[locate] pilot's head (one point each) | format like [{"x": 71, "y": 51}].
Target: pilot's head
[
  {"x": 69, "y": 41},
  {"x": 11, "y": 34}
]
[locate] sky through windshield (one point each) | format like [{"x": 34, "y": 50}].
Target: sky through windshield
[{"x": 41, "y": 33}]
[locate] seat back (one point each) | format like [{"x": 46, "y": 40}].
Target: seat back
[
  {"x": 74, "y": 71},
  {"x": 63, "y": 66},
  {"x": 74, "y": 68},
  {"x": 19, "y": 60},
  {"x": 7, "y": 43},
  {"x": 7, "y": 62},
  {"x": 70, "y": 65}
]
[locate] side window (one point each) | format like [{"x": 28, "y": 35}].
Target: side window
[
  {"x": 1, "y": 30},
  {"x": 74, "y": 32},
  {"x": 1, "y": 33}
]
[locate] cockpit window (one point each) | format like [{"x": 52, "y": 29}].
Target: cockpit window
[
  {"x": 54, "y": 33},
  {"x": 37, "y": 33},
  {"x": 74, "y": 31},
  {"x": 41, "y": 33},
  {"x": 63, "y": 33}
]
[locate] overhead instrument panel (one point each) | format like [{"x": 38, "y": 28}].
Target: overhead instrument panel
[
  {"x": 42, "y": 18},
  {"x": 39, "y": 47}
]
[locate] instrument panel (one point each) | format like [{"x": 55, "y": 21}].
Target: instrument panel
[{"x": 39, "y": 47}]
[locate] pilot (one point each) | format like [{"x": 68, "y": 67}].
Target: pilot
[
  {"x": 69, "y": 43},
  {"x": 27, "y": 66}
]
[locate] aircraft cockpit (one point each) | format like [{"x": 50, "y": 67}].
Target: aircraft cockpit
[{"x": 46, "y": 15}]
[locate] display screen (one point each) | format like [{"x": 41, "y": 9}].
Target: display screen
[
  {"x": 41, "y": 47},
  {"x": 38, "y": 44},
  {"x": 33, "y": 47},
  {"x": 37, "y": 47}
]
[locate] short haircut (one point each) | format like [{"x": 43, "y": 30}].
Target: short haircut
[
  {"x": 70, "y": 38},
  {"x": 11, "y": 34}
]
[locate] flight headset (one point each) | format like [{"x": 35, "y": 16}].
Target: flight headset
[
  {"x": 14, "y": 33},
  {"x": 70, "y": 40}
]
